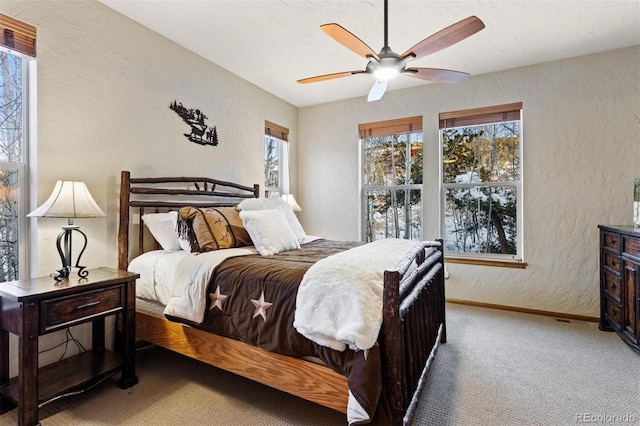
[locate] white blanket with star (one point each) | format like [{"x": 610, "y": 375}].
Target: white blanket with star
[
  {"x": 339, "y": 302},
  {"x": 191, "y": 279}
]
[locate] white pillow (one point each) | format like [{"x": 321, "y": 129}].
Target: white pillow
[
  {"x": 256, "y": 204},
  {"x": 253, "y": 204},
  {"x": 162, "y": 227},
  {"x": 269, "y": 231}
]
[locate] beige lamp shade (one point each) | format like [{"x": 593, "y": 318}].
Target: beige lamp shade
[
  {"x": 290, "y": 199},
  {"x": 69, "y": 199}
]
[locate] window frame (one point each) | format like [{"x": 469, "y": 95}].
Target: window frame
[
  {"x": 279, "y": 134},
  {"x": 403, "y": 126},
  {"x": 479, "y": 117},
  {"x": 23, "y": 168},
  {"x": 269, "y": 190}
]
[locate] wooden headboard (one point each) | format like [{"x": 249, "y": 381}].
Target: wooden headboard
[{"x": 160, "y": 194}]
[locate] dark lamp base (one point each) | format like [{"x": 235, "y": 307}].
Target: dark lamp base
[{"x": 65, "y": 255}]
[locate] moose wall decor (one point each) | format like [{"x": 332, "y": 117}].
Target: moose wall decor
[{"x": 201, "y": 133}]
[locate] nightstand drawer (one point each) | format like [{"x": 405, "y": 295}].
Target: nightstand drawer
[{"x": 64, "y": 311}]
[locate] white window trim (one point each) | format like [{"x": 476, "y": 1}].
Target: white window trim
[
  {"x": 30, "y": 188},
  {"x": 283, "y": 163},
  {"x": 26, "y": 169}
]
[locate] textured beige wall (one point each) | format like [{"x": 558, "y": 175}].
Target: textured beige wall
[
  {"x": 104, "y": 88},
  {"x": 581, "y": 136}
]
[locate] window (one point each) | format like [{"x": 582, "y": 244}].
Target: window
[
  {"x": 17, "y": 47},
  {"x": 392, "y": 179},
  {"x": 481, "y": 181},
  {"x": 276, "y": 172}
]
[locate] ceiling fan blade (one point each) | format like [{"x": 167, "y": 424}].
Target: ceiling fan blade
[
  {"x": 446, "y": 37},
  {"x": 438, "y": 75},
  {"x": 377, "y": 90},
  {"x": 348, "y": 40},
  {"x": 328, "y": 76}
]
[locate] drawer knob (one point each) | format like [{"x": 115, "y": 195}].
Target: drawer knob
[{"x": 87, "y": 305}]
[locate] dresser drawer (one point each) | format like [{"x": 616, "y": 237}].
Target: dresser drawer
[
  {"x": 631, "y": 247},
  {"x": 612, "y": 286},
  {"x": 65, "y": 311},
  {"x": 613, "y": 312},
  {"x": 612, "y": 262},
  {"x": 611, "y": 241}
]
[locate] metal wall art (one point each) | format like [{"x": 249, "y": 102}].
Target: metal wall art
[{"x": 201, "y": 133}]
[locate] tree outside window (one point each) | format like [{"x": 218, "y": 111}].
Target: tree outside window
[
  {"x": 276, "y": 160},
  {"x": 17, "y": 50},
  {"x": 392, "y": 179},
  {"x": 12, "y": 161},
  {"x": 481, "y": 181},
  {"x": 272, "y": 167}
]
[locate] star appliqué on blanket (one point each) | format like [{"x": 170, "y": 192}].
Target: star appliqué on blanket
[
  {"x": 216, "y": 299},
  {"x": 261, "y": 307}
]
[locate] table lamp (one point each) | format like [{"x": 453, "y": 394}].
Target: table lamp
[
  {"x": 70, "y": 200},
  {"x": 289, "y": 198}
]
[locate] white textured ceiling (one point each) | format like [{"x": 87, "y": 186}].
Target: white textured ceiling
[{"x": 273, "y": 43}]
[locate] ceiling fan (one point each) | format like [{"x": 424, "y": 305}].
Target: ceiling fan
[{"x": 387, "y": 64}]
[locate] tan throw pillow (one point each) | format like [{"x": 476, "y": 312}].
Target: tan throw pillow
[{"x": 216, "y": 228}]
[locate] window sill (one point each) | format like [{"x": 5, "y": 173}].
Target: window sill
[{"x": 486, "y": 262}]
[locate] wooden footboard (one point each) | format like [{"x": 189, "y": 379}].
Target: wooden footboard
[
  {"x": 413, "y": 326},
  {"x": 305, "y": 379}
]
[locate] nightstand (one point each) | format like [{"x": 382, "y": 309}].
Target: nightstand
[{"x": 31, "y": 308}]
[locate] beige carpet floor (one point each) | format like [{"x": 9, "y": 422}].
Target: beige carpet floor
[{"x": 498, "y": 368}]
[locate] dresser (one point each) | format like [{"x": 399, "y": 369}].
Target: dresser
[{"x": 620, "y": 282}]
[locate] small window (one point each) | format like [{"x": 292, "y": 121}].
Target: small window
[
  {"x": 17, "y": 50},
  {"x": 482, "y": 182},
  {"x": 391, "y": 178},
  {"x": 275, "y": 159}
]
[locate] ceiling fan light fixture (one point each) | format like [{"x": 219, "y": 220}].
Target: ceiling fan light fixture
[
  {"x": 385, "y": 73},
  {"x": 387, "y": 64}
]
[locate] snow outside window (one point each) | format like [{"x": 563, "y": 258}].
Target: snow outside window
[
  {"x": 392, "y": 186},
  {"x": 482, "y": 186}
]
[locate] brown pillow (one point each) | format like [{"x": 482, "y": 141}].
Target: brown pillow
[{"x": 216, "y": 228}]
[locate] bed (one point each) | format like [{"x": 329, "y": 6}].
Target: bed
[{"x": 412, "y": 317}]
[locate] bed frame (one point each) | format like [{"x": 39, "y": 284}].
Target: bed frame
[{"x": 413, "y": 309}]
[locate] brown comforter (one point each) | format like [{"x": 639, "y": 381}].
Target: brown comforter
[{"x": 253, "y": 298}]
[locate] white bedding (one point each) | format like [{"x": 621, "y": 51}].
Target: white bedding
[
  {"x": 339, "y": 301},
  {"x": 157, "y": 270},
  {"x": 179, "y": 279},
  {"x": 189, "y": 299}
]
